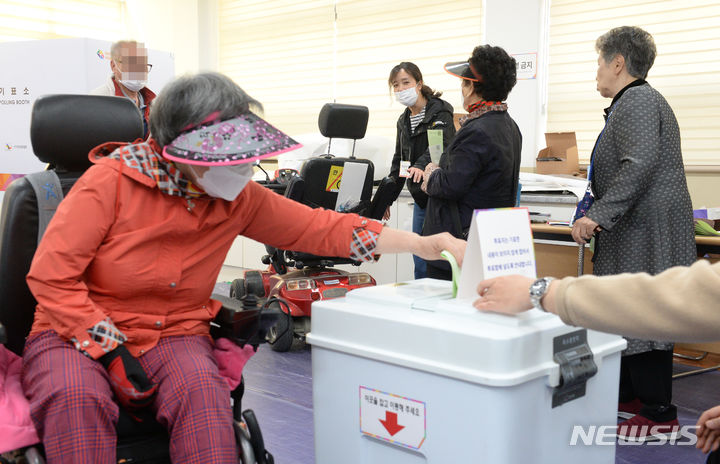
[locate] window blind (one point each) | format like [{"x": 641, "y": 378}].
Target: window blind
[
  {"x": 686, "y": 70},
  {"x": 49, "y": 19},
  {"x": 295, "y": 56}
]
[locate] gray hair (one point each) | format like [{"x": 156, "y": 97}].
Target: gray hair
[
  {"x": 634, "y": 44},
  {"x": 188, "y": 100},
  {"x": 116, "y": 47}
]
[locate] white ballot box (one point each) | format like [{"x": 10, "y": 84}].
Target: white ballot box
[{"x": 403, "y": 373}]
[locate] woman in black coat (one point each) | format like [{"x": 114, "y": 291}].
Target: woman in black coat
[
  {"x": 480, "y": 168},
  {"x": 425, "y": 111}
]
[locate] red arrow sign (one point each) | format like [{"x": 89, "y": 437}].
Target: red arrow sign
[{"x": 390, "y": 423}]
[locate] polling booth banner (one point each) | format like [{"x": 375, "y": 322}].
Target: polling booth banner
[
  {"x": 34, "y": 68},
  {"x": 499, "y": 243}
]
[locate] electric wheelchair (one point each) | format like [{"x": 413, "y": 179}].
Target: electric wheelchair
[
  {"x": 296, "y": 279},
  {"x": 64, "y": 128}
]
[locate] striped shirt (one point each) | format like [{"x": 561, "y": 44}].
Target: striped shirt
[{"x": 415, "y": 120}]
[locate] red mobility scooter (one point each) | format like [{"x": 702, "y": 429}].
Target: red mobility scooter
[{"x": 295, "y": 280}]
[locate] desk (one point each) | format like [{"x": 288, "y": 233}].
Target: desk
[{"x": 556, "y": 255}]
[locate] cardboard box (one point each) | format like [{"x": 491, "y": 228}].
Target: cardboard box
[{"x": 560, "y": 156}]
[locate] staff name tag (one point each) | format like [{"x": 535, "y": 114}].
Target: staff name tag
[
  {"x": 404, "y": 169},
  {"x": 499, "y": 243}
]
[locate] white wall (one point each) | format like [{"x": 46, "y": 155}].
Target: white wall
[
  {"x": 189, "y": 30},
  {"x": 186, "y": 28},
  {"x": 518, "y": 27}
]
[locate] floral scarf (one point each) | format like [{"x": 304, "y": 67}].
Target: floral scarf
[{"x": 479, "y": 108}]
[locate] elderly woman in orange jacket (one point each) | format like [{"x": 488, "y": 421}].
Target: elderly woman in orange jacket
[{"x": 124, "y": 273}]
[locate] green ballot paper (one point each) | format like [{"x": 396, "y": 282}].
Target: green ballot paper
[
  {"x": 435, "y": 144},
  {"x": 455, "y": 270}
]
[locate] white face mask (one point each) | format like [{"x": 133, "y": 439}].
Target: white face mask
[
  {"x": 224, "y": 182},
  {"x": 134, "y": 85},
  {"x": 407, "y": 97}
]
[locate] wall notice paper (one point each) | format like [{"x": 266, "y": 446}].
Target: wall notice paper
[
  {"x": 499, "y": 243},
  {"x": 351, "y": 185},
  {"x": 526, "y": 65},
  {"x": 435, "y": 144}
]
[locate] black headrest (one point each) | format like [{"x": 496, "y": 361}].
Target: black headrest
[
  {"x": 64, "y": 128},
  {"x": 343, "y": 121}
]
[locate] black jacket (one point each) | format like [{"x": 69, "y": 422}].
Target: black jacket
[
  {"x": 438, "y": 115},
  {"x": 479, "y": 170}
]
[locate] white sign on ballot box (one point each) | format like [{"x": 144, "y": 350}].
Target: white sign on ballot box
[
  {"x": 499, "y": 243},
  {"x": 393, "y": 418}
]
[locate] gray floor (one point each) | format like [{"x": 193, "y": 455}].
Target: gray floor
[{"x": 279, "y": 390}]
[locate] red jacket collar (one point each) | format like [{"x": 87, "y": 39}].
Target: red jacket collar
[{"x": 147, "y": 94}]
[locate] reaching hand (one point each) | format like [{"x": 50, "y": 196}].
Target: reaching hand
[
  {"x": 386, "y": 216},
  {"x": 133, "y": 389},
  {"x": 432, "y": 245},
  {"x": 507, "y": 294}
]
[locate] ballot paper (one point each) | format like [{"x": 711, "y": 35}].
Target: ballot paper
[
  {"x": 351, "y": 185},
  {"x": 499, "y": 243},
  {"x": 542, "y": 183},
  {"x": 435, "y": 144}
]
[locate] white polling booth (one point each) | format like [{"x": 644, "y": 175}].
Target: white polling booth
[{"x": 34, "y": 68}]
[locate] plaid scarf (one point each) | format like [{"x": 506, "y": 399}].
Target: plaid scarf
[
  {"x": 144, "y": 159},
  {"x": 479, "y": 108}
]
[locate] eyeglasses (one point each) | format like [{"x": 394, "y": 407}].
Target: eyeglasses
[{"x": 134, "y": 63}]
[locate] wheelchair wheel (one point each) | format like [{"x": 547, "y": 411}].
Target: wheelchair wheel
[
  {"x": 254, "y": 283},
  {"x": 256, "y": 438},
  {"x": 245, "y": 447},
  {"x": 237, "y": 289},
  {"x": 32, "y": 456},
  {"x": 280, "y": 336}
]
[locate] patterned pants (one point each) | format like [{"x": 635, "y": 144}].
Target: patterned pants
[{"x": 72, "y": 405}]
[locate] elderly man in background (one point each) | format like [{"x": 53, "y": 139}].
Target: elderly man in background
[{"x": 130, "y": 68}]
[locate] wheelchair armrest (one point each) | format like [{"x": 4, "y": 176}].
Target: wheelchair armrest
[{"x": 243, "y": 323}]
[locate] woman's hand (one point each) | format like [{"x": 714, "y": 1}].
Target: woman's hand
[
  {"x": 386, "y": 216},
  {"x": 708, "y": 431},
  {"x": 431, "y": 246},
  {"x": 403, "y": 241},
  {"x": 583, "y": 230},
  {"x": 426, "y": 175},
  {"x": 415, "y": 174},
  {"x": 506, "y": 294}
]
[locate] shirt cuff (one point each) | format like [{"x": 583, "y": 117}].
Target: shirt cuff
[
  {"x": 364, "y": 239},
  {"x": 101, "y": 339}
]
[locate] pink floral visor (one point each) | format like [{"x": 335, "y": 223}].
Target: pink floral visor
[{"x": 243, "y": 139}]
